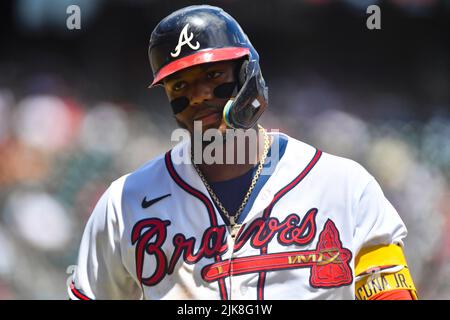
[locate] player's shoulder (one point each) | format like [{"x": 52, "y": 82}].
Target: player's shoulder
[
  {"x": 150, "y": 175},
  {"x": 330, "y": 165},
  {"x": 344, "y": 165}
]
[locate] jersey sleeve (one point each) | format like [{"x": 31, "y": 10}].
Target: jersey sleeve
[
  {"x": 100, "y": 273},
  {"x": 376, "y": 222},
  {"x": 380, "y": 264}
]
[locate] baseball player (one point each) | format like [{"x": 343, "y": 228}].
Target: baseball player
[{"x": 293, "y": 223}]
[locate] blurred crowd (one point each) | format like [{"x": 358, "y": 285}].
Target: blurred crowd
[
  {"x": 59, "y": 155},
  {"x": 57, "y": 158}
]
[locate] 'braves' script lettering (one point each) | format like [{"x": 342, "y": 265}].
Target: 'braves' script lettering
[{"x": 149, "y": 236}]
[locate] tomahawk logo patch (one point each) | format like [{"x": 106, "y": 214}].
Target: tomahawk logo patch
[
  {"x": 183, "y": 40},
  {"x": 329, "y": 262}
]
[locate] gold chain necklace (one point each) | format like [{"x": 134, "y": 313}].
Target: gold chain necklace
[{"x": 234, "y": 226}]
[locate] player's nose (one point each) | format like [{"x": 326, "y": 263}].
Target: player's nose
[{"x": 200, "y": 93}]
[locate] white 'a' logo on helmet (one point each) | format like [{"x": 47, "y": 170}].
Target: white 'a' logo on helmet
[{"x": 184, "y": 39}]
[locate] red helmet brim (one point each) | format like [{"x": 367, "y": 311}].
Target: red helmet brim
[{"x": 204, "y": 56}]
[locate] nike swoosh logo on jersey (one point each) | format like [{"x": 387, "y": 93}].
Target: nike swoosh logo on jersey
[{"x": 145, "y": 204}]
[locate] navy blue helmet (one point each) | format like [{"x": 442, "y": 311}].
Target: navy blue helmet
[{"x": 201, "y": 34}]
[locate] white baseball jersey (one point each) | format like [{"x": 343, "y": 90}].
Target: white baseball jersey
[{"x": 156, "y": 233}]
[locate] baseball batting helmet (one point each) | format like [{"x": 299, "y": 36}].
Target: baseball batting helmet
[{"x": 202, "y": 34}]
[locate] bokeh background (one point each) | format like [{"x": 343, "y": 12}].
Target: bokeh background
[{"x": 75, "y": 114}]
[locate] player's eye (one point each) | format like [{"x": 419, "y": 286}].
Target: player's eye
[
  {"x": 178, "y": 86},
  {"x": 214, "y": 74}
]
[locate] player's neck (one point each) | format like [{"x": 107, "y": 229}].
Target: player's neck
[{"x": 226, "y": 171}]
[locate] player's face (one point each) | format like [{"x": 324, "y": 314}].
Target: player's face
[{"x": 199, "y": 93}]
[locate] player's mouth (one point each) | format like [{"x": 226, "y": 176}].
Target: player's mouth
[{"x": 209, "y": 117}]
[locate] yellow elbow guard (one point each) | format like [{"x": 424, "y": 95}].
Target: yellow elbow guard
[{"x": 381, "y": 269}]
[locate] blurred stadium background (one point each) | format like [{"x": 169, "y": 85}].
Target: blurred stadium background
[{"x": 75, "y": 114}]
